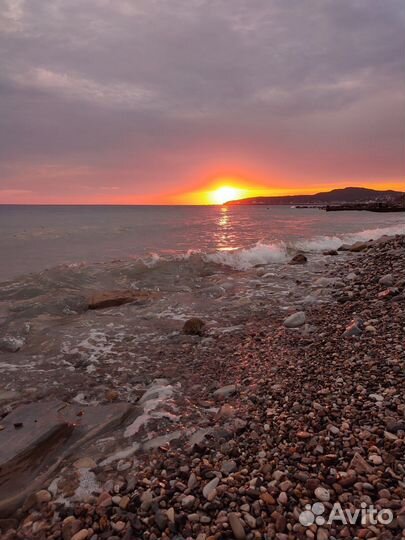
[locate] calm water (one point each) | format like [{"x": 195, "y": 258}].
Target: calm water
[{"x": 37, "y": 237}]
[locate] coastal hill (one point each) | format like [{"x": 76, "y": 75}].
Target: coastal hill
[{"x": 335, "y": 196}]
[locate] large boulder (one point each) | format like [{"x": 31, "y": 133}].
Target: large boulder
[{"x": 295, "y": 320}]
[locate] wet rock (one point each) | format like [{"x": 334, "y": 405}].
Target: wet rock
[
  {"x": 48, "y": 429},
  {"x": 295, "y": 320},
  {"x": 359, "y": 246},
  {"x": 11, "y": 343},
  {"x": 355, "y": 328},
  {"x": 331, "y": 252},
  {"x": 194, "y": 327},
  {"x": 106, "y": 299},
  {"x": 298, "y": 259}
]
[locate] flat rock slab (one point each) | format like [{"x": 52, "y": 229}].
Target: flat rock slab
[
  {"x": 108, "y": 299},
  {"x": 37, "y": 436}
]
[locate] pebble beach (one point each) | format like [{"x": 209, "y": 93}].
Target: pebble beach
[{"x": 290, "y": 410}]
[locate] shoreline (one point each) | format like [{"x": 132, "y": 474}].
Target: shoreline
[{"x": 285, "y": 417}]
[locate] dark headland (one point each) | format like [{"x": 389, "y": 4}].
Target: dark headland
[{"x": 349, "y": 198}]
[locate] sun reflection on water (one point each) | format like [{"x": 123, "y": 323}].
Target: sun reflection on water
[{"x": 225, "y": 236}]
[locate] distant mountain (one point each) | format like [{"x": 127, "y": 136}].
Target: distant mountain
[{"x": 336, "y": 196}]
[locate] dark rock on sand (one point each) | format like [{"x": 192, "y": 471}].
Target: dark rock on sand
[
  {"x": 298, "y": 259},
  {"x": 194, "y": 327},
  {"x": 332, "y": 252}
]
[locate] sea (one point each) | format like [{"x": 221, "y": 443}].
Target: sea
[{"x": 35, "y": 238}]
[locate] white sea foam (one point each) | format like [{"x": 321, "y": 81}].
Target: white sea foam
[
  {"x": 95, "y": 345},
  {"x": 157, "y": 395},
  {"x": 375, "y": 234},
  {"x": 243, "y": 259},
  {"x": 88, "y": 485},
  {"x": 121, "y": 454},
  {"x": 323, "y": 243},
  {"x": 278, "y": 252},
  {"x": 318, "y": 244}
]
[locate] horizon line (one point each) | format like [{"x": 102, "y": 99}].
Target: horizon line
[{"x": 199, "y": 204}]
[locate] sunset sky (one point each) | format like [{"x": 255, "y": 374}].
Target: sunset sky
[{"x": 163, "y": 101}]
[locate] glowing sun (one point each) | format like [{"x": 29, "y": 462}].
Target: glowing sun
[{"x": 224, "y": 194}]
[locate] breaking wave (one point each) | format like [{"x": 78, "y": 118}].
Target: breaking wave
[
  {"x": 323, "y": 243},
  {"x": 243, "y": 259},
  {"x": 279, "y": 252}
]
